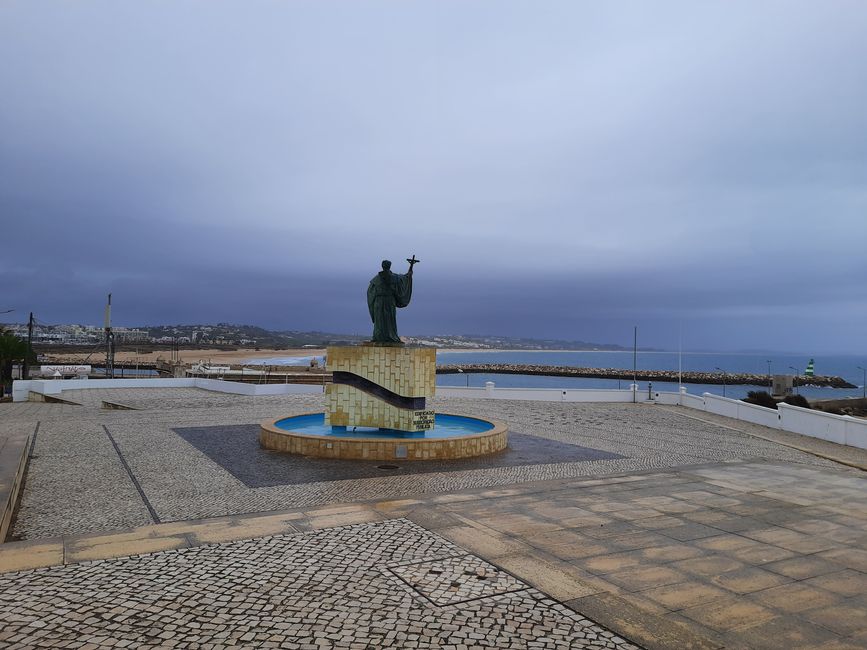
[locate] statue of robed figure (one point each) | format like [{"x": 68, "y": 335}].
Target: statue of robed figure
[{"x": 386, "y": 292}]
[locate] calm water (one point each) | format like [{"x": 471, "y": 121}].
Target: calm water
[
  {"x": 843, "y": 366},
  {"x": 446, "y": 426}
]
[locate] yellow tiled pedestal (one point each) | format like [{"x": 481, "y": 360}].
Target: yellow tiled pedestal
[{"x": 380, "y": 386}]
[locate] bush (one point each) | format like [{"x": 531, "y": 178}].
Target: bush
[
  {"x": 797, "y": 400},
  {"x": 833, "y": 410},
  {"x": 761, "y": 398}
]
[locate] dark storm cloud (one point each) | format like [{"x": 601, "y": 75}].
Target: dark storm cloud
[{"x": 564, "y": 171}]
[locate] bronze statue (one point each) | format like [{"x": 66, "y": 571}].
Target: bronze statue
[{"x": 386, "y": 292}]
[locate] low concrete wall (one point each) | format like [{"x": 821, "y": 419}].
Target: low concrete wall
[
  {"x": 54, "y": 387},
  {"x": 740, "y": 410},
  {"x": 665, "y": 397},
  {"x": 238, "y": 388},
  {"x": 21, "y": 389},
  {"x": 814, "y": 423},
  {"x": 840, "y": 429},
  {"x": 14, "y": 450},
  {"x": 758, "y": 415}
]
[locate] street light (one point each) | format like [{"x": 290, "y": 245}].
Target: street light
[
  {"x": 724, "y": 379},
  {"x": 795, "y": 378},
  {"x": 461, "y": 370},
  {"x": 863, "y": 383},
  {"x": 770, "y": 380}
]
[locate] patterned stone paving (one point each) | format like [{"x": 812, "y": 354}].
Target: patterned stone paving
[
  {"x": 334, "y": 588},
  {"x": 181, "y": 482},
  {"x": 457, "y": 579},
  {"x": 236, "y": 449}
]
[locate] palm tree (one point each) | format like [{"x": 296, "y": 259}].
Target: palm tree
[{"x": 12, "y": 349}]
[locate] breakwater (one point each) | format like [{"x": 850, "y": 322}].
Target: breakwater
[{"x": 689, "y": 377}]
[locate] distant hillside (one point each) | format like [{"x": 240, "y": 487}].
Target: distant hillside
[
  {"x": 231, "y": 334},
  {"x": 223, "y": 335},
  {"x": 475, "y": 341}
]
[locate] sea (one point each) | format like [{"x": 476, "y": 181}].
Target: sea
[{"x": 845, "y": 366}]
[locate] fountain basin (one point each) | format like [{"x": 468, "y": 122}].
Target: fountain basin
[{"x": 453, "y": 436}]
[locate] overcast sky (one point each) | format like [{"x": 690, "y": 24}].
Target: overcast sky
[{"x": 562, "y": 169}]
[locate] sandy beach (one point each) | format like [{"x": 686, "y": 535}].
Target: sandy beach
[
  {"x": 226, "y": 357},
  {"x": 241, "y": 355}
]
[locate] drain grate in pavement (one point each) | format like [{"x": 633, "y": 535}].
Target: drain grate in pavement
[{"x": 457, "y": 579}]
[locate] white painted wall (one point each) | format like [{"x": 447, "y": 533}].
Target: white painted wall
[
  {"x": 21, "y": 389},
  {"x": 813, "y": 423},
  {"x": 665, "y": 397},
  {"x": 739, "y": 410},
  {"x": 856, "y": 432},
  {"x": 692, "y": 401},
  {"x": 759, "y": 415},
  {"x": 238, "y": 388},
  {"x": 720, "y": 405},
  {"x": 460, "y": 391}
]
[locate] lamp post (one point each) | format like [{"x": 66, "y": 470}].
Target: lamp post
[
  {"x": 863, "y": 382},
  {"x": 724, "y": 379},
  {"x": 770, "y": 379},
  {"x": 461, "y": 370},
  {"x": 794, "y": 379}
]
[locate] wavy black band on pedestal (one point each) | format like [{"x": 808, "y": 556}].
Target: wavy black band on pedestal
[{"x": 344, "y": 378}]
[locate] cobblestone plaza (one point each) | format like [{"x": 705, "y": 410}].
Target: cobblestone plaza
[
  {"x": 604, "y": 525},
  {"x": 94, "y": 470}
]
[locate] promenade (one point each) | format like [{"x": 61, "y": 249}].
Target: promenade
[{"x": 605, "y": 526}]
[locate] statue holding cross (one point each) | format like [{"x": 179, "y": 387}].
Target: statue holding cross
[{"x": 387, "y": 292}]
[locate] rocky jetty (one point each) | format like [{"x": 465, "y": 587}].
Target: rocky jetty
[{"x": 642, "y": 375}]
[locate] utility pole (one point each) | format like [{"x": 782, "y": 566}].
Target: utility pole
[
  {"x": 109, "y": 342},
  {"x": 25, "y": 374},
  {"x": 724, "y": 379},
  {"x": 863, "y": 383},
  {"x": 794, "y": 379},
  {"x": 634, "y": 362}
]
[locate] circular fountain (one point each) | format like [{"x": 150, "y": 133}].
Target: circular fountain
[
  {"x": 375, "y": 405},
  {"x": 452, "y": 437}
]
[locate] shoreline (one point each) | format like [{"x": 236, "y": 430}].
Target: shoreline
[{"x": 195, "y": 355}]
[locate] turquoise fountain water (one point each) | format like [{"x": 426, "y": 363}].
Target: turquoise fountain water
[{"x": 445, "y": 426}]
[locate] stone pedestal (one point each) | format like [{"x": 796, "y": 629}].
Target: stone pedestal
[{"x": 381, "y": 386}]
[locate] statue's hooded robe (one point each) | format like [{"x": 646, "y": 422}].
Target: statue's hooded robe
[{"x": 386, "y": 292}]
